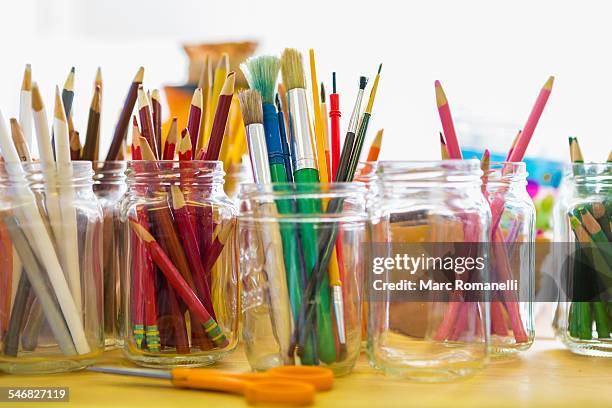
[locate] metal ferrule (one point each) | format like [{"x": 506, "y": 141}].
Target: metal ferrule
[
  {"x": 301, "y": 133},
  {"x": 339, "y": 313},
  {"x": 256, "y": 139},
  {"x": 352, "y": 127}
]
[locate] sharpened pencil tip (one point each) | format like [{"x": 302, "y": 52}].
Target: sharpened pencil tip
[
  {"x": 440, "y": 95},
  {"x": 549, "y": 83},
  {"x": 58, "y": 110},
  {"x": 26, "y": 84},
  {"x": 37, "y": 102},
  {"x": 379, "y": 69},
  {"x": 139, "y": 77}
]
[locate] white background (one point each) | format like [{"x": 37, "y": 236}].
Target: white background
[{"x": 492, "y": 58}]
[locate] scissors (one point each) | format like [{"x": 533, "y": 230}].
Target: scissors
[{"x": 294, "y": 385}]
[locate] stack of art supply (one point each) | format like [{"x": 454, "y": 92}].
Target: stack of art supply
[
  {"x": 180, "y": 279},
  {"x": 584, "y": 221},
  {"x": 301, "y": 224},
  {"x": 51, "y": 280}
]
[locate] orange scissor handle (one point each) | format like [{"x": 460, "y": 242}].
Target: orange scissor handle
[
  {"x": 277, "y": 391},
  {"x": 272, "y": 390},
  {"x": 322, "y": 378}
]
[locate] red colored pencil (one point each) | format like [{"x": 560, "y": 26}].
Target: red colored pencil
[
  {"x": 334, "y": 116},
  {"x": 148, "y": 289},
  {"x": 171, "y": 141},
  {"x": 195, "y": 117},
  {"x": 220, "y": 122},
  {"x": 452, "y": 144},
  {"x": 146, "y": 120},
  {"x": 188, "y": 237},
  {"x": 185, "y": 146},
  {"x": 136, "y": 135},
  {"x": 124, "y": 117},
  {"x": 214, "y": 250},
  {"x": 178, "y": 283},
  {"x": 157, "y": 119}
]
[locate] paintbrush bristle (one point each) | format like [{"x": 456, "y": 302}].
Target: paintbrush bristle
[
  {"x": 363, "y": 81},
  {"x": 261, "y": 74},
  {"x": 292, "y": 68},
  {"x": 250, "y": 106}
]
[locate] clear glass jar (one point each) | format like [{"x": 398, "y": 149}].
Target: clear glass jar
[
  {"x": 583, "y": 239},
  {"x": 179, "y": 303},
  {"x": 109, "y": 186},
  {"x": 50, "y": 269},
  {"x": 419, "y": 327},
  {"x": 301, "y": 298},
  {"x": 512, "y": 257}
]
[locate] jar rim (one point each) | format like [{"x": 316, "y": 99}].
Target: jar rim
[{"x": 254, "y": 191}]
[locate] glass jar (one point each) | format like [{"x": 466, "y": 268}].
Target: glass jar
[
  {"x": 583, "y": 216},
  {"x": 512, "y": 257},
  {"x": 109, "y": 186},
  {"x": 301, "y": 297},
  {"x": 237, "y": 174},
  {"x": 50, "y": 268},
  {"x": 428, "y": 320},
  {"x": 179, "y": 302}
]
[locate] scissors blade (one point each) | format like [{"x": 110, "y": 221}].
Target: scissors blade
[{"x": 165, "y": 375}]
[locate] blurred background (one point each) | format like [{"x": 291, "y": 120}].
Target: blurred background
[{"x": 491, "y": 57}]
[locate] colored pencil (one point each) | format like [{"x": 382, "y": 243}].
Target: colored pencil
[
  {"x": 146, "y": 120},
  {"x": 25, "y": 105},
  {"x": 220, "y": 75},
  {"x": 532, "y": 121},
  {"x": 206, "y": 84},
  {"x": 195, "y": 117},
  {"x": 70, "y": 235},
  {"x": 220, "y": 120},
  {"x": 171, "y": 141},
  {"x": 75, "y": 146},
  {"x": 183, "y": 289},
  {"x": 92, "y": 137},
  {"x": 19, "y": 140},
  {"x": 124, "y": 117},
  {"x": 136, "y": 136},
  {"x": 157, "y": 119},
  {"x": 375, "y": 147},
  {"x": 185, "y": 148},
  {"x": 452, "y": 143}
]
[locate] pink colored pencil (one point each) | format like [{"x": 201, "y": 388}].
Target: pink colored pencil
[
  {"x": 523, "y": 141},
  {"x": 452, "y": 144}
]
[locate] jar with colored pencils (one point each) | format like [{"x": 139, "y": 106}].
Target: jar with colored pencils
[
  {"x": 583, "y": 241},
  {"x": 179, "y": 302},
  {"x": 50, "y": 268},
  {"x": 301, "y": 263},
  {"x": 427, "y": 271},
  {"x": 512, "y": 256},
  {"x": 109, "y": 187}
]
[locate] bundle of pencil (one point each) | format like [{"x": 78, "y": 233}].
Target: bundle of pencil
[
  {"x": 509, "y": 306},
  {"x": 40, "y": 278},
  {"x": 591, "y": 272},
  {"x": 176, "y": 309},
  {"x": 311, "y": 277}
]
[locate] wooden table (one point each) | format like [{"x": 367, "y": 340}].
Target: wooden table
[{"x": 546, "y": 375}]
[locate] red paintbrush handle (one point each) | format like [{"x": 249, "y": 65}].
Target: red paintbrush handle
[{"x": 334, "y": 116}]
